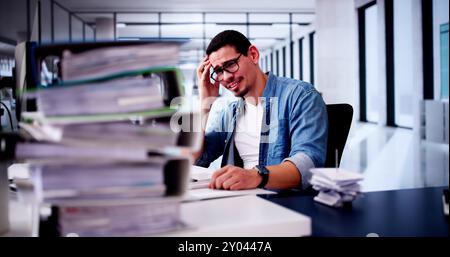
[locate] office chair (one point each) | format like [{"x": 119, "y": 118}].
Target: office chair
[{"x": 339, "y": 122}]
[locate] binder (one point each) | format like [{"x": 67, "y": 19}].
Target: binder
[{"x": 103, "y": 146}]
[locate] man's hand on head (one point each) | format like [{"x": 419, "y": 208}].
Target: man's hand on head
[
  {"x": 206, "y": 88},
  {"x": 234, "y": 178}
]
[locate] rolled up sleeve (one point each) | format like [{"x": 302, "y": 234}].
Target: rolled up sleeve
[
  {"x": 303, "y": 164},
  {"x": 309, "y": 131}
]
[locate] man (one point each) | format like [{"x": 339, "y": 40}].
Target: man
[{"x": 273, "y": 135}]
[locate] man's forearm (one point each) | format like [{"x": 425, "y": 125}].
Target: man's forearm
[{"x": 283, "y": 176}]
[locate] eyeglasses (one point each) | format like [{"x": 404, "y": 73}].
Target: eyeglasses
[{"x": 230, "y": 66}]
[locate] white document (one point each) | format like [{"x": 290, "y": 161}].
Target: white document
[
  {"x": 199, "y": 173},
  {"x": 200, "y": 177},
  {"x": 207, "y": 193},
  {"x": 198, "y": 187},
  {"x": 199, "y": 184}
]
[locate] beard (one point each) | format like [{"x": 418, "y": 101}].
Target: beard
[
  {"x": 241, "y": 93},
  {"x": 241, "y": 90}
]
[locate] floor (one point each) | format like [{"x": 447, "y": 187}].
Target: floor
[{"x": 394, "y": 158}]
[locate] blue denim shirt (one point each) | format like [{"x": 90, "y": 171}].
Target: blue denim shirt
[{"x": 294, "y": 128}]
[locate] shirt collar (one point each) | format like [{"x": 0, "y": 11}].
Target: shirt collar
[{"x": 270, "y": 85}]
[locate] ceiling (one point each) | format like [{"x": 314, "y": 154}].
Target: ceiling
[
  {"x": 268, "y": 20},
  {"x": 191, "y": 5}
]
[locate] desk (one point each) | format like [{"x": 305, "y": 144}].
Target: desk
[{"x": 407, "y": 212}]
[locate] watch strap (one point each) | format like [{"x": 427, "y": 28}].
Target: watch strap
[{"x": 264, "y": 173}]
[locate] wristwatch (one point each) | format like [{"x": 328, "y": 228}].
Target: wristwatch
[{"x": 264, "y": 173}]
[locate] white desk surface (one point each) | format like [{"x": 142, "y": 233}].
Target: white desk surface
[{"x": 243, "y": 216}]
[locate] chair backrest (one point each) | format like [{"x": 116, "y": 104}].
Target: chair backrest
[{"x": 339, "y": 122}]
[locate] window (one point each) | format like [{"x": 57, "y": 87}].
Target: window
[
  {"x": 284, "y": 61},
  {"x": 311, "y": 57},
  {"x": 368, "y": 62},
  {"x": 444, "y": 61},
  {"x": 306, "y": 60},
  {"x": 300, "y": 58},
  {"x": 440, "y": 48},
  {"x": 277, "y": 59},
  {"x": 403, "y": 63},
  {"x": 266, "y": 68},
  {"x": 271, "y": 62},
  {"x": 291, "y": 59}
]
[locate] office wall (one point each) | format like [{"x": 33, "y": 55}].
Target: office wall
[
  {"x": 46, "y": 21},
  {"x": 34, "y": 20},
  {"x": 336, "y": 51},
  {"x": 13, "y": 20},
  {"x": 76, "y": 29},
  {"x": 89, "y": 33},
  {"x": 61, "y": 24}
]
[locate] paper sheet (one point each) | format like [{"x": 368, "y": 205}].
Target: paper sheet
[
  {"x": 207, "y": 193},
  {"x": 199, "y": 173}
]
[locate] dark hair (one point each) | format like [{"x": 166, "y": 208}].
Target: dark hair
[{"x": 231, "y": 38}]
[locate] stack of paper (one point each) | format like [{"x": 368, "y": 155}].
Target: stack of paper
[
  {"x": 122, "y": 139},
  {"x": 127, "y": 94},
  {"x": 336, "y": 186},
  {"x": 104, "y": 61},
  {"x": 105, "y": 139},
  {"x": 98, "y": 180},
  {"x": 119, "y": 217}
]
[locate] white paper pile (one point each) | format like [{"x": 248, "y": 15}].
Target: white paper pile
[{"x": 336, "y": 186}]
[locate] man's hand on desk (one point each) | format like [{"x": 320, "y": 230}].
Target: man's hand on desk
[
  {"x": 235, "y": 178},
  {"x": 282, "y": 176}
]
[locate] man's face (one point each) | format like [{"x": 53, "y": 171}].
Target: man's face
[{"x": 238, "y": 82}]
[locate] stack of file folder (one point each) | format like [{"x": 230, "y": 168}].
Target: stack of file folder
[
  {"x": 128, "y": 217},
  {"x": 128, "y": 94},
  {"x": 106, "y": 150},
  {"x": 336, "y": 186}
]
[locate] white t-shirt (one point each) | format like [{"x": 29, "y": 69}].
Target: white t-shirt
[{"x": 248, "y": 133}]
